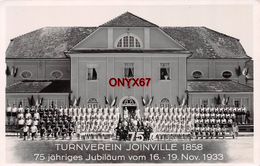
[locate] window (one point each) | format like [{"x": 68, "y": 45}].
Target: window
[
  {"x": 56, "y": 74},
  {"x": 93, "y": 102},
  {"x": 165, "y": 102},
  {"x": 119, "y": 44},
  {"x": 197, "y": 74},
  {"x": 204, "y": 102},
  {"x": 125, "y": 41},
  {"x": 226, "y": 74},
  {"x": 92, "y": 73},
  {"x": 131, "y": 41},
  {"x": 165, "y": 71},
  {"x": 129, "y": 102},
  {"x": 237, "y": 102},
  {"x": 128, "y": 41},
  {"x": 129, "y": 70},
  {"x": 26, "y": 74}
]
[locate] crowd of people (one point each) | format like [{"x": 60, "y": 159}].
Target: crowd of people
[
  {"x": 53, "y": 122},
  {"x": 92, "y": 122}
]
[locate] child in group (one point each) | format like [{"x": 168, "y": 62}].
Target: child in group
[
  {"x": 34, "y": 131},
  {"x": 213, "y": 131},
  {"x": 42, "y": 132},
  {"x": 78, "y": 130},
  {"x": 25, "y": 132},
  {"x": 49, "y": 132},
  {"x": 70, "y": 131},
  {"x": 63, "y": 132},
  {"x": 235, "y": 130},
  {"x": 56, "y": 131},
  {"x": 223, "y": 131},
  {"x": 218, "y": 131}
]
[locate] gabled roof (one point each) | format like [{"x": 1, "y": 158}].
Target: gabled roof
[
  {"x": 217, "y": 86},
  {"x": 52, "y": 42},
  {"x": 54, "y": 86},
  {"x": 206, "y": 43},
  {"x": 128, "y": 19}
]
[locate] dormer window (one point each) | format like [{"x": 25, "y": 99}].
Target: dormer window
[{"x": 128, "y": 41}]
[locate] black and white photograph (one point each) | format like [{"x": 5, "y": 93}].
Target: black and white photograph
[{"x": 128, "y": 83}]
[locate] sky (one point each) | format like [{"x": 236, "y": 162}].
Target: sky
[{"x": 233, "y": 20}]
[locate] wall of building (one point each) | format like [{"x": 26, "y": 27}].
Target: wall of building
[
  {"x": 106, "y": 37},
  {"x": 97, "y": 39},
  {"x": 41, "y": 69},
  {"x": 158, "y": 39},
  {"x": 112, "y": 65},
  {"x": 213, "y": 68}
]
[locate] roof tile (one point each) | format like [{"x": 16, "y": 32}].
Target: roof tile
[
  {"x": 217, "y": 86},
  {"x": 54, "y": 86},
  {"x": 206, "y": 43}
]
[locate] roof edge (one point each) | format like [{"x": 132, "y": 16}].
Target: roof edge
[{"x": 153, "y": 25}]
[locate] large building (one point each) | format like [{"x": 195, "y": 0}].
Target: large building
[{"x": 57, "y": 64}]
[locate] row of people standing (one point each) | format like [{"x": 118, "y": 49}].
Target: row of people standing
[{"x": 242, "y": 113}]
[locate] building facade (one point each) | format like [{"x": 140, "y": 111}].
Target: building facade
[{"x": 95, "y": 64}]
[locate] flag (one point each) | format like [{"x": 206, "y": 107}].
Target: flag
[
  {"x": 227, "y": 101},
  {"x": 143, "y": 101},
  {"x": 12, "y": 70},
  {"x": 78, "y": 101},
  {"x": 32, "y": 101},
  {"x": 41, "y": 101},
  {"x": 223, "y": 100},
  {"x": 215, "y": 100},
  {"x": 75, "y": 101},
  {"x": 150, "y": 101},
  {"x": 7, "y": 71},
  {"x": 20, "y": 103},
  {"x": 114, "y": 102},
  {"x": 69, "y": 98},
  {"x": 106, "y": 101},
  {"x": 238, "y": 71},
  {"x": 183, "y": 101},
  {"x": 29, "y": 101},
  {"x": 179, "y": 100},
  {"x": 15, "y": 71},
  {"x": 245, "y": 71},
  {"x": 218, "y": 102},
  {"x": 37, "y": 102},
  {"x": 52, "y": 104}
]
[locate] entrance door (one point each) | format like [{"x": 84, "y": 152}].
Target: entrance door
[
  {"x": 131, "y": 111},
  {"x": 131, "y": 106}
]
